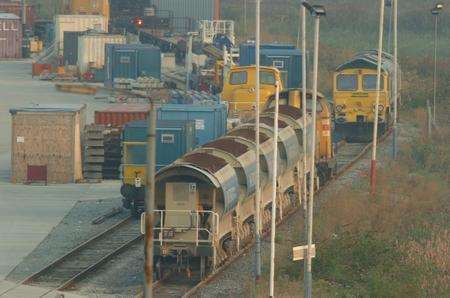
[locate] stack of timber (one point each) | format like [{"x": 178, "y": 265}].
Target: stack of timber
[
  {"x": 94, "y": 152},
  {"x": 113, "y": 154}
]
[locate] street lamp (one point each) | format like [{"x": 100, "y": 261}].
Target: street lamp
[
  {"x": 435, "y": 12},
  {"x": 373, "y": 164},
  {"x": 316, "y": 12}
]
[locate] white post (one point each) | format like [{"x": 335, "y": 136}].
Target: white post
[
  {"x": 395, "y": 85},
  {"x": 313, "y": 150},
  {"x": 373, "y": 165},
  {"x": 304, "y": 193},
  {"x": 274, "y": 192},
  {"x": 189, "y": 62},
  {"x": 257, "y": 141},
  {"x": 435, "y": 66},
  {"x": 150, "y": 201}
]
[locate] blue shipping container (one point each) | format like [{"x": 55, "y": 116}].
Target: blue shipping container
[
  {"x": 285, "y": 57},
  {"x": 173, "y": 139},
  {"x": 210, "y": 119},
  {"x": 131, "y": 61}
]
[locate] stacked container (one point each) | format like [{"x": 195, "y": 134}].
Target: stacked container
[
  {"x": 119, "y": 115},
  {"x": 91, "y": 49},
  {"x": 10, "y": 36},
  {"x": 16, "y": 8},
  {"x": 173, "y": 139},
  {"x": 131, "y": 61},
  {"x": 285, "y": 57},
  {"x": 77, "y": 23},
  {"x": 187, "y": 13},
  {"x": 210, "y": 118}
]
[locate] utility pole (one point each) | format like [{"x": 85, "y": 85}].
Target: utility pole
[
  {"x": 316, "y": 11},
  {"x": 373, "y": 165},
  {"x": 395, "y": 85},
  {"x": 257, "y": 141},
  {"x": 23, "y": 11},
  {"x": 150, "y": 201},
  {"x": 389, "y": 3},
  {"x": 274, "y": 192},
  {"x": 435, "y": 12},
  {"x": 304, "y": 192},
  {"x": 245, "y": 19},
  {"x": 189, "y": 61}
]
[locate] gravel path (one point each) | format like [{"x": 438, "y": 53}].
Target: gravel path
[
  {"x": 74, "y": 229},
  {"x": 237, "y": 279},
  {"x": 123, "y": 276}
]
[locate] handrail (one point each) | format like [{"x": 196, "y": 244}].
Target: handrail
[{"x": 212, "y": 231}]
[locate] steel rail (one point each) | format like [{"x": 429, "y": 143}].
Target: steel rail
[{"x": 82, "y": 249}]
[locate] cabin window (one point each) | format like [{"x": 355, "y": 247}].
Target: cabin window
[
  {"x": 267, "y": 78},
  {"x": 278, "y": 64},
  {"x": 347, "y": 82},
  {"x": 135, "y": 154},
  {"x": 370, "y": 82},
  {"x": 238, "y": 78}
]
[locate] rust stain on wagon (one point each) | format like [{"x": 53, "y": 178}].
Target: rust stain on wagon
[
  {"x": 206, "y": 161},
  {"x": 229, "y": 145},
  {"x": 249, "y": 134}
]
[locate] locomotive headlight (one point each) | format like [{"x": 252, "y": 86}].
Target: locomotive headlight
[
  {"x": 380, "y": 108},
  {"x": 339, "y": 108}
]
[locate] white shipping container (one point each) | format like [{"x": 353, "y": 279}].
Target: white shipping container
[
  {"x": 77, "y": 23},
  {"x": 91, "y": 49}
]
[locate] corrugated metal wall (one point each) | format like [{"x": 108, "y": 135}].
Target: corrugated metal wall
[
  {"x": 91, "y": 49},
  {"x": 15, "y": 8},
  {"x": 77, "y": 23},
  {"x": 10, "y": 36},
  {"x": 189, "y": 10}
]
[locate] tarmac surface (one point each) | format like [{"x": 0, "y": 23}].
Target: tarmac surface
[{"x": 28, "y": 213}]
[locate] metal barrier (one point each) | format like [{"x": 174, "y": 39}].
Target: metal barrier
[{"x": 167, "y": 234}]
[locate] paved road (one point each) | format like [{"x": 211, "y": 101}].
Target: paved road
[{"x": 28, "y": 213}]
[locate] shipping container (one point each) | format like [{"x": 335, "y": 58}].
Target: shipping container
[
  {"x": 38, "y": 68},
  {"x": 70, "y": 52},
  {"x": 16, "y": 8},
  {"x": 173, "y": 139},
  {"x": 131, "y": 61},
  {"x": 91, "y": 49},
  {"x": 188, "y": 12},
  {"x": 10, "y": 36},
  {"x": 285, "y": 57},
  {"x": 90, "y": 7},
  {"x": 77, "y": 23},
  {"x": 121, "y": 114},
  {"x": 210, "y": 118},
  {"x": 47, "y": 143}
]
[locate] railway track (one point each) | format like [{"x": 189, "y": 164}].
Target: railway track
[
  {"x": 87, "y": 257},
  {"x": 175, "y": 286}
]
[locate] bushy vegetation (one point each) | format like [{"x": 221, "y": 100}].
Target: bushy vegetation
[
  {"x": 395, "y": 244},
  {"x": 351, "y": 26}
]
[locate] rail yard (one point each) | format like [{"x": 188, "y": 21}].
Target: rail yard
[{"x": 191, "y": 148}]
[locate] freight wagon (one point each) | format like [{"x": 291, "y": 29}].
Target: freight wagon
[{"x": 205, "y": 199}]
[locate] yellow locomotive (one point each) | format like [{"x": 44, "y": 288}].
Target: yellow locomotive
[{"x": 354, "y": 94}]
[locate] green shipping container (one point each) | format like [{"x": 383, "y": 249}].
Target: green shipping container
[{"x": 173, "y": 139}]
